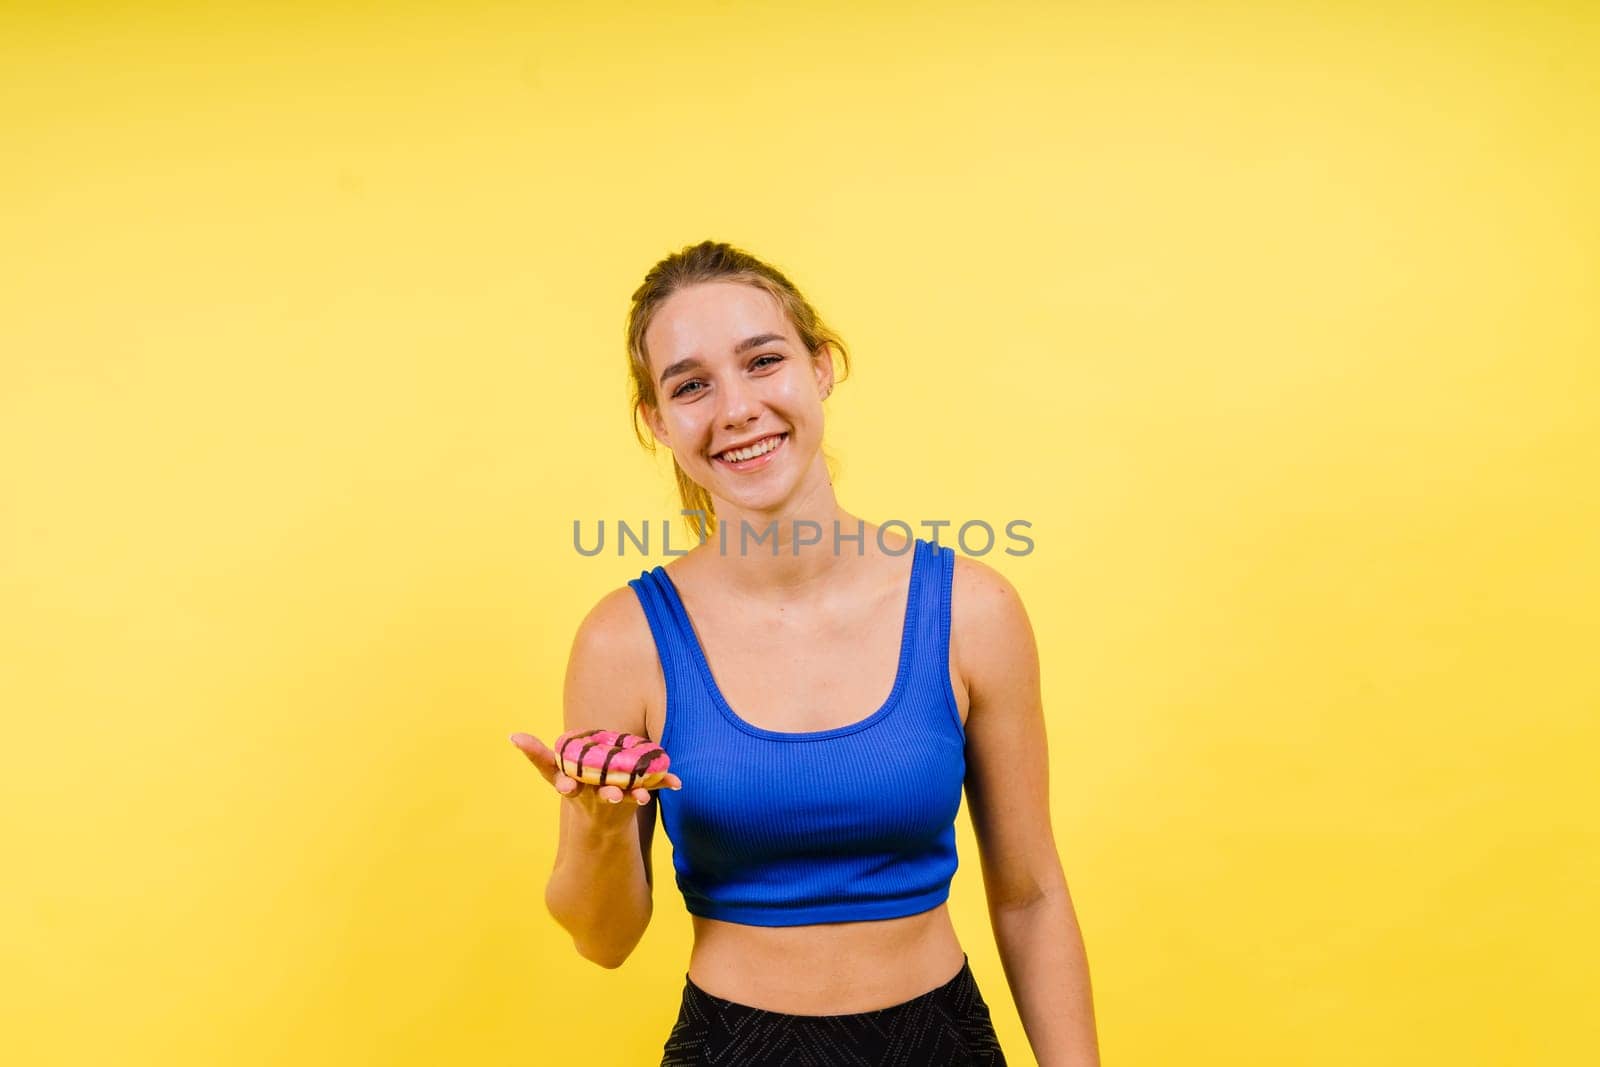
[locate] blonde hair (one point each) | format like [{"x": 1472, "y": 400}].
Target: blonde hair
[{"x": 711, "y": 261}]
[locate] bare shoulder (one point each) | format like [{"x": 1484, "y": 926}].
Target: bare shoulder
[
  {"x": 981, "y": 598},
  {"x": 990, "y": 631},
  {"x": 612, "y": 670},
  {"x": 616, "y": 624}
]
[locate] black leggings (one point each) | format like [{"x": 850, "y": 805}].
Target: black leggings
[{"x": 946, "y": 1027}]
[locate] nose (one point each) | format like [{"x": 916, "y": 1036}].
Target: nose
[{"x": 739, "y": 403}]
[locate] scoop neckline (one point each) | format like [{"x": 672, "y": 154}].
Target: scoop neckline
[{"x": 902, "y": 668}]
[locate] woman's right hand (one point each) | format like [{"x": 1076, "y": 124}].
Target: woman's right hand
[{"x": 596, "y": 801}]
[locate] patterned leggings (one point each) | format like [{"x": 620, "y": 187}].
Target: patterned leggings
[{"x": 947, "y": 1027}]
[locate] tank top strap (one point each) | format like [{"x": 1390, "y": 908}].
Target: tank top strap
[
  {"x": 674, "y": 644},
  {"x": 930, "y": 669}
]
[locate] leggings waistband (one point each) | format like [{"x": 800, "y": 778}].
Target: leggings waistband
[{"x": 949, "y": 1026}]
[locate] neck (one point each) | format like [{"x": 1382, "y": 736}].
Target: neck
[{"x": 805, "y": 557}]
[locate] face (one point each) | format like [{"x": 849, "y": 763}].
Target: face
[{"x": 730, "y": 371}]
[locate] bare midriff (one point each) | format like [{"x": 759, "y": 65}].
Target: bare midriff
[{"x": 826, "y": 969}]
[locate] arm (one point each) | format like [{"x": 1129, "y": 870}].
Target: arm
[
  {"x": 600, "y": 887},
  {"x": 1008, "y": 796}
]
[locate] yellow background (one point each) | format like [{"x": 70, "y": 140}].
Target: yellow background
[{"x": 1276, "y": 321}]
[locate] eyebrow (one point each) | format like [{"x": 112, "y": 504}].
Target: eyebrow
[{"x": 743, "y": 346}]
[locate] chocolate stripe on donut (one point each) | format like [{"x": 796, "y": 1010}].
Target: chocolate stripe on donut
[
  {"x": 568, "y": 742},
  {"x": 584, "y": 751},
  {"x": 605, "y": 768},
  {"x": 644, "y": 758}
]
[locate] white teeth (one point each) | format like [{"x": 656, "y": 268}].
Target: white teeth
[{"x": 760, "y": 448}]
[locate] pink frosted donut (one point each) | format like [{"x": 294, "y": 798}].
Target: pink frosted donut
[{"x": 605, "y": 757}]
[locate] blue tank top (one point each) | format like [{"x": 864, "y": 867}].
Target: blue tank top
[{"x": 784, "y": 829}]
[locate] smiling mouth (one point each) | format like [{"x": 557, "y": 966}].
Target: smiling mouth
[{"x": 772, "y": 444}]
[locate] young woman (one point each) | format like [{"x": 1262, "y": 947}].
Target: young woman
[{"x": 811, "y": 815}]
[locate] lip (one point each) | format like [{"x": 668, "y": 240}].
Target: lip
[{"x": 761, "y": 460}]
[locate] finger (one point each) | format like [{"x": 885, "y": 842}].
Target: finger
[
  {"x": 567, "y": 787},
  {"x": 540, "y": 756},
  {"x": 642, "y": 796},
  {"x": 610, "y": 794},
  {"x": 671, "y": 781},
  {"x": 537, "y": 753}
]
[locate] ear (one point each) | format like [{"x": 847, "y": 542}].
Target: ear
[
  {"x": 652, "y": 419},
  {"x": 822, "y": 367}
]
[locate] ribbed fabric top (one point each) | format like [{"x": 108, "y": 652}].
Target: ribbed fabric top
[{"x": 774, "y": 828}]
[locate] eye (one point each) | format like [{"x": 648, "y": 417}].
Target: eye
[{"x": 684, "y": 390}]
